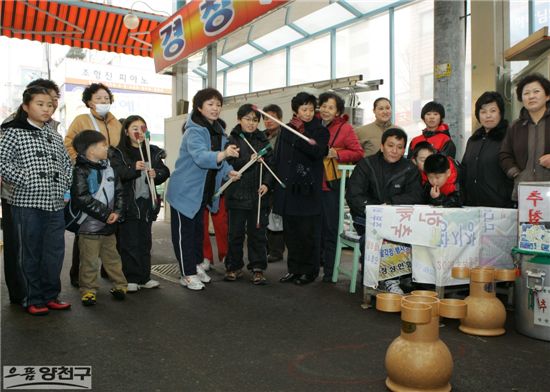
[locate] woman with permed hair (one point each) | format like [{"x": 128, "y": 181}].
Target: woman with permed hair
[
  {"x": 299, "y": 165},
  {"x": 200, "y": 169},
  {"x": 98, "y": 98},
  {"x": 525, "y": 151}
]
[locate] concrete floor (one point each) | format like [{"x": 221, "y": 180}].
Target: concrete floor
[{"x": 240, "y": 337}]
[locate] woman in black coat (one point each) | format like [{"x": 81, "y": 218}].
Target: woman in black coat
[
  {"x": 300, "y": 166},
  {"x": 134, "y": 237},
  {"x": 485, "y": 182}
]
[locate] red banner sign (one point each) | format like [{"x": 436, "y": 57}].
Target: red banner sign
[{"x": 200, "y": 23}]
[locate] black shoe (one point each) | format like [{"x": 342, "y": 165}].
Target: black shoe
[
  {"x": 274, "y": 259},
  {"x": 327, "y": 278},
  {"x": 305, "y": 279},
  {"x": 118, "y": 294},
  {"x": 289, "y": 278}
]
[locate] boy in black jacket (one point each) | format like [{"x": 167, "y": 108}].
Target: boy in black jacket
[
  {"x": 443, "y": 187},
  {"x": 241, "y": 199},
  {"x": 98, "y": 193}
]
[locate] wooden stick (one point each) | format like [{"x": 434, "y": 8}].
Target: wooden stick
[
  {"x": 259, "y": 199},
  {"x": 260, "y": 154},
  {"x": 150, "y": 166},
  {"x": 153, "y": 194},
  {"x": 265, "y": 164},
  {"x": 282, "y": 124}
]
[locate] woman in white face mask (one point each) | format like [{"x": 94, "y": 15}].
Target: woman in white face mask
[{"x": 98, "y": 98}]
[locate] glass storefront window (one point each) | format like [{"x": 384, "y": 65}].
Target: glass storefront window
[
  {"x": 369, "y": 57},
  {"x": 310, "y": 61},
  {"x": 269, "y": 72},
  {"x": 237, "y": 81},
  {"x": 414, "y": 58}
]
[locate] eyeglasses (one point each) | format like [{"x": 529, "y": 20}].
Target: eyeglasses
[{"x": 251, "y": 119}]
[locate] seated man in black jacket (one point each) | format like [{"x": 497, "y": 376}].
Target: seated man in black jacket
[{"x": 384, "y": 178}]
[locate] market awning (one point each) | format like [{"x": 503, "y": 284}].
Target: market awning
[{"x": 79, "y": 24}]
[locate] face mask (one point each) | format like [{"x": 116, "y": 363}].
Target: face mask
[{"x": 102, "y": 109}]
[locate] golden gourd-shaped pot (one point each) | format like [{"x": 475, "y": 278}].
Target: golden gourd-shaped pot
[
  {"x": 486, "y": 313},
  {"x": 418, "y": 360}
]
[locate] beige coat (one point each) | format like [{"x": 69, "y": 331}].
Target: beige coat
[
  {"x": 110, "y": 128},
  {"x": 370, "y": 136}
]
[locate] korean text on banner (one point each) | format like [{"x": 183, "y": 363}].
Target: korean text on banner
[
  {"x": 534, "y": 216},
  {"x": 200, "y": 23}
]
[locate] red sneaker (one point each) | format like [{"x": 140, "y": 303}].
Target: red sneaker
[
  {"x": 38, "y": 310},
  {"x": 56, "y": 304}
]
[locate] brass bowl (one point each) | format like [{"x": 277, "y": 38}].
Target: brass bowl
[
  {"x": 505, "y": 275},
  {"x": 425, "y": 293},
  {"x": 482, "y": 275},
  {"x": 388, "y": 302},
  {"x": 460, "y": 272},
  {"x": 416, "y": 313},
  {"x": 453, "y": 308}
]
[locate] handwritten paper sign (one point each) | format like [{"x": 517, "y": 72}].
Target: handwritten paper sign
[
  {"x": 534, "y": 215},
  {"x": 440, "y": 238}
]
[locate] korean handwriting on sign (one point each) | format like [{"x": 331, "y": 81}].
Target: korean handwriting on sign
[
  {"x": 488, "y": 221},
  {"x": 173, "y": 42},
  {"x": 431, "y": 218},
  {"x": 216, "y": 15},
  {"x": 541, "y": 304},
  {"x": 402, "y": 230},
  {"x": 405, "y": 213},
  {"x": 460, "y": 235},
  {"x": 535, "y": 215}
]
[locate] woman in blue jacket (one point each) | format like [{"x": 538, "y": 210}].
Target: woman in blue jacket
[{"x": 200, "y": 169}]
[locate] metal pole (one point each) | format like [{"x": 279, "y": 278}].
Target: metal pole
[
  {"x": 211, "y": 61},
  {"x": 449, "y": 50}
]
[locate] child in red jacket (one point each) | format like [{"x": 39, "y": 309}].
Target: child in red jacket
[
  {"x": 443, "y": 187},
  {"x": 436, "y": 132}
]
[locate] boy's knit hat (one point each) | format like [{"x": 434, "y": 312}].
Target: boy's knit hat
[
  {"x": 85, "y": 139},
  {"x": 433, "y": 106}
]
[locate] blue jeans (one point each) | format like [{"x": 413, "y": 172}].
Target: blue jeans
[{"x": 41, "y": 240}]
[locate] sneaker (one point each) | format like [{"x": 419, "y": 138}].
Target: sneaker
[
  {"x": 258, "y": 278},
  {"x": 205, "y": 265},
  {"x": 118, "y": 294},
  {"x": 203, "y": 276},
  {"x": 56, "y": 304},
  {"x": 38, "y": 310},
  {"x": 88, "y": 299},
  {"x": 192, "y": 282},
  {"x": 151, "y": 284},
  {"x": 231, "y": 276},
  {"x": 391, "y": 286},
  {"x": 133, "y": 287}
]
